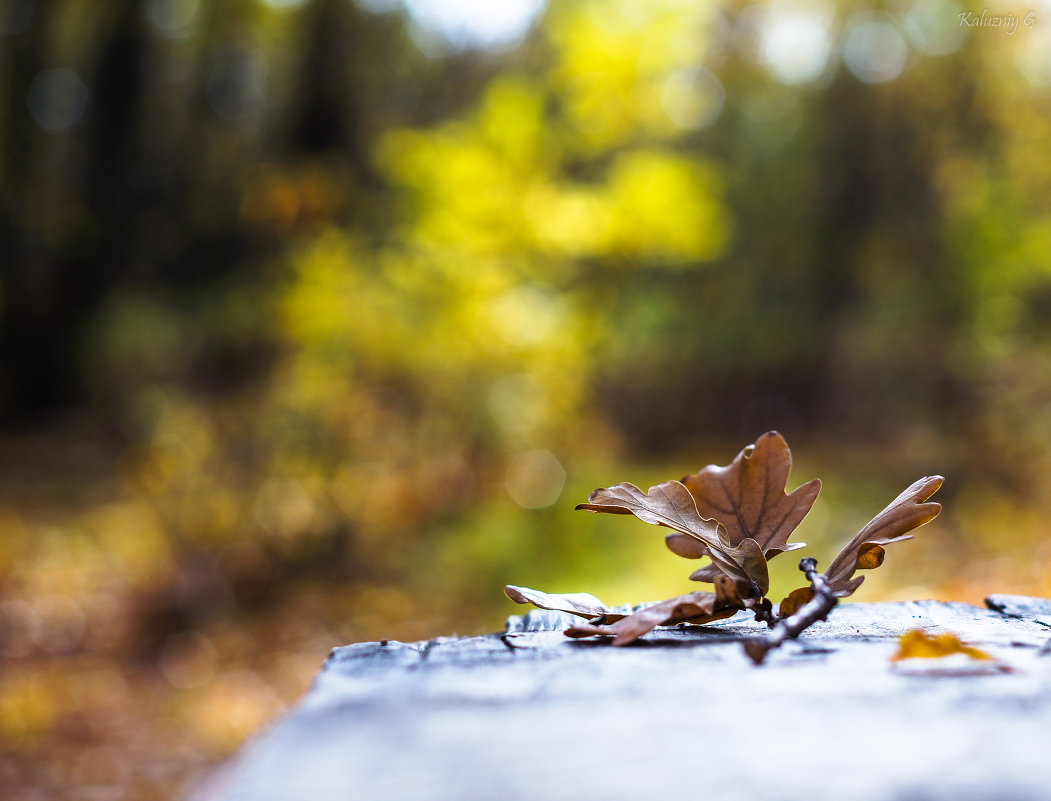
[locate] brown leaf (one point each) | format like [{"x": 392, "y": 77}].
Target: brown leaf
[
  {"x": 694, "y": 607},
  {"x": 577, "y": 603},
  {"x": 670, "y": 504},
  {"x": 795, "y": 599},
  {"x": 690, "y": 548},
  {"x": 748, "y": 497},
  {"x": 667, "y": 504},
  {"x": 902, "y": 515},
  {"x": 686, "y": 546},
  {"x": 708, "y": 573}
]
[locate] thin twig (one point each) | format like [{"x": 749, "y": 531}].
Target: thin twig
[
  {"x": 817, "y": 608},
  {"x": 764, "y": 613}
]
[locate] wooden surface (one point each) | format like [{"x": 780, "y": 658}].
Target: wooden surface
[{"x": 681, "y": 714}]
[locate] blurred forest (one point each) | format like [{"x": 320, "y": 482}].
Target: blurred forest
[{"x": 317, "y": 317}]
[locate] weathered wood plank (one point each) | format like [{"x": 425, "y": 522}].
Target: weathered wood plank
[{"x": 681, "y": 714}]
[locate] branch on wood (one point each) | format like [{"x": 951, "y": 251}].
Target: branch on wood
[
  {"x": 810, "y": 613},
  {"x": 764, "y": 613}
]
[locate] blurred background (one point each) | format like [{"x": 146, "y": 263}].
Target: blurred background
[{"x": 317, "y": 317}]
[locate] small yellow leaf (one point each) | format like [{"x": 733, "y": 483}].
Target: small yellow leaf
[
  {"x": 870, "y": 556},
  {"x": 917, "y": 644}
]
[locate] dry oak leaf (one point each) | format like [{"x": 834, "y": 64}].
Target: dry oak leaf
[
  {"x": 865, "y": 550},
  {"x": 577, "y": 603},
  {"x": 670, "y": 504},
  {"x": 694, "y": 607},
  {"x": 749, "y": 497}
]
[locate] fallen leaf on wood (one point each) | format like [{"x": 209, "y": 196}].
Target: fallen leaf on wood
[
  {"x": 921, "y": 654},
  {"x": 670, "y": 504},
  {"x": 864, "y": 551},
  {"x": 916, "y": 643},
  {"x": 694, "y": 607},
  {"x": 576, "y": 603}
]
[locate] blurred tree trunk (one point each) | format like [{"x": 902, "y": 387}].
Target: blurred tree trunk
[{"x": 57, "y": 271}]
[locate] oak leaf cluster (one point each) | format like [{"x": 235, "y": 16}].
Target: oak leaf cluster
[{"x": 738, "y": 516}]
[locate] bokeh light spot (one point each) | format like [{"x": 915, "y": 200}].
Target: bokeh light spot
[
  {"x": 188, "y": 660},
  {"x": 1034, "y": 57},
  {"x": 60, "y": 623},
  {"x": 476, "y": 23},
  {"x": 236, "y": 86},
  {"x": 283, "y": 5},
  {"x": 172, "y": 18},
  {"x": 875, "y": 51},
  {"x": 794, "y": 40},
  {"x": 57, "y": 99},
  {"x": 18, "y": 625},
  {"x": 379, "y": 6},
  {"x": 933, "y": 26},
  {"x": 535, "y": 479},
  {"x": 692, "y": 98},
  {"x": 524, "y": 316},
  {"x": 518, "y": 402}
]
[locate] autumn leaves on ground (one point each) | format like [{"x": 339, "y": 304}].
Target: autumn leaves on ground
[{"x": 738, "y": 516}]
